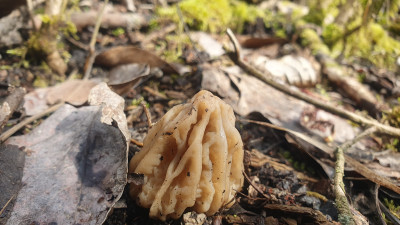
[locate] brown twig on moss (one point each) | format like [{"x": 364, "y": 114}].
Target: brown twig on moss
[
  {"x": 265, "y": 77},
  {"x": 90, "y": 59}
]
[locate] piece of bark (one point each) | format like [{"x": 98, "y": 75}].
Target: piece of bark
[{"x": 10, "y": 105}]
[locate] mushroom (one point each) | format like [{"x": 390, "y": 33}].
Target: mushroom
[{"x": 191, "y": 158}]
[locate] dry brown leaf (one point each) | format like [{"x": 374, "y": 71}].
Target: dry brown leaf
[
  {"x": 257, "y": 42},
  {"x": 125, "y": 77},
  {"x": 128, "y": 54},
  {"x": 75, "y": 92}
]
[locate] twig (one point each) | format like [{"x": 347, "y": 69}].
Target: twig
[
  {"x": 342, "y": 205},
  {"x": 31, "y": 16},
  {"x": 287, "y": 90},
  {"x": 138, "y": 143},
  {"x": 15, "y": 128},
  {"x": 148, "y": 115},
  {"x": 154, "y": 92},
  {"x": 254, "y": 186},
  {"x": 77, "y": 43},
  {"x": 8, "y": 202},
  {"x": 92, "y": 55}
]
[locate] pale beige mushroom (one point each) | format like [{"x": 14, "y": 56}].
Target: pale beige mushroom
[{"x": 191, "y": 158}]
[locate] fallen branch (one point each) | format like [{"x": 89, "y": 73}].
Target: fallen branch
[{"x": 294, "y": 93}]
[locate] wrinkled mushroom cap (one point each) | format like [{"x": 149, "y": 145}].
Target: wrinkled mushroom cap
[{"x": 192, "y": 158}]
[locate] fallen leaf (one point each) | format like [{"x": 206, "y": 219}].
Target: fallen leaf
[
  {"x": 76, "y": 169},
  {"x": 11, "y": 166},
  {"x": 75, "y": 92},
  {"x": 128, "y": 54},
  {"x": 257, "y": 42},
  {"x": 295, "y": 70},
  {"x": 211, "y": 46},
  {"x": 125, "y": 77}
]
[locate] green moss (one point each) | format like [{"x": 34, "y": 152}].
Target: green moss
[
  {"x": 137, "y": 101},
  {"x": 375, "y": 44},
  {"x": 242, "y": 14},
  {"x": 39, "y": 82},
  {"x": 310, "y": 38},
  {"x": 394, "y": 209},
  {"x": 174, "y": 49},
  {"x": 118, "y": 32},
  {"x": 332, "y": 33},
  {"x": 213, "y": 16}
]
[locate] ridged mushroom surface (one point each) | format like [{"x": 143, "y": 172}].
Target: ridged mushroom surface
[{"x": 191, "y": 158}]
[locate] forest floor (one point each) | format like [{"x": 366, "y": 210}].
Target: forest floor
[{"x": 291, "y": 143}]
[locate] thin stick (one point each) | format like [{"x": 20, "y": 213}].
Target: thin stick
[
  {"x": 138, "y": 143},
  {"x": 8, "y": 133},
  {"x": 154, "y": 92},
  {"x": 254, "y": 186},
  {"x": 8, "y": 202},
  {"x": 148, "y": 115},
  {"x": 90, "y": 59},
  {"x": 31, "y": 16},
  {"x": 329, "y": 108},
  {"x": 342, "y": 205}
]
